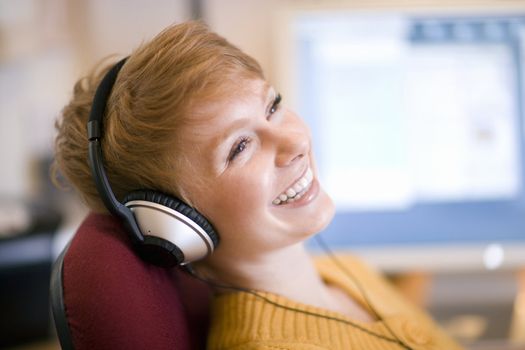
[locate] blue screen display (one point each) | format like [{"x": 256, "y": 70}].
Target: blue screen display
[{"x": 417, "y": 124}]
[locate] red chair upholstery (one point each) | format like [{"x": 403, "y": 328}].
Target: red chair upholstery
[{"x": 111, "y": 299}]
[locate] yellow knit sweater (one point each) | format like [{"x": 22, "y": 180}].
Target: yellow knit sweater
[{"x": 244, "y": 321}]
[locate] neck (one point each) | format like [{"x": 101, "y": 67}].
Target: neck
[{"x": 289, "y": 272}]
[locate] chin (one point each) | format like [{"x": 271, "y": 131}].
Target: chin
[
  {"x": 319, "y": 219},
  {"x": 325, "y": 213}
]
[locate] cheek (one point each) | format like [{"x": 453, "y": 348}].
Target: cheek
[
  {"x": 238, "y": 201},
  {"x": 245, "y": 192}
]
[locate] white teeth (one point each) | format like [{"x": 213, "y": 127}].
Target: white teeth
[
  {"x": 309, "y": 175},
  {"x": 297, "y": 190}
]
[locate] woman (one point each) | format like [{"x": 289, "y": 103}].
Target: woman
[{"x": 192, "y": 116}]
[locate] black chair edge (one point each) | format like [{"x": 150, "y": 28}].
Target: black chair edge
[{"x": 58, "y": 306}]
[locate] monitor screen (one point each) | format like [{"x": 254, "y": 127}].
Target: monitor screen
[{"x": 417, "y": 124}]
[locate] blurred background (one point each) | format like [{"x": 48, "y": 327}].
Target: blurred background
[{"x": 417, "y": 113}]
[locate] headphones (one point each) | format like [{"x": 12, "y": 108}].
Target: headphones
[{"x": 165, "y": 230}]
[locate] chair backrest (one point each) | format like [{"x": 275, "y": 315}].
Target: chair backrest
[{"x": 105, "y": 297}]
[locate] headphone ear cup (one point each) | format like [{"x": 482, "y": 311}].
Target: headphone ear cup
[
  {"x": 160, "y": 252},
  {"x": 172, "y": 229},
  {"x": 196, "y": 217}
]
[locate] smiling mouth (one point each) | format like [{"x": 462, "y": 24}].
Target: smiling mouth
[{"x": 297, "y": 190}]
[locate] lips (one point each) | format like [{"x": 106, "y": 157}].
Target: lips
[{"x": 296, "y": 190}]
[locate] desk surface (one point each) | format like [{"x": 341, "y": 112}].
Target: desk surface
[{"x": 443, "y": 258}]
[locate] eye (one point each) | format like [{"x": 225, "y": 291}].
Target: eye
[
  {"x": 238, "y": 148},
  {"x": 275, "y": 105}
]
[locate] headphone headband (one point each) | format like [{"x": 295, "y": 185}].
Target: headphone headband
[
  {"x": 96, "y": 116},
  {"x": 96, "y": 163}
]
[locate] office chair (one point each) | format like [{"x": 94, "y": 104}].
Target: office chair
[{"x": 103, "y": 296}]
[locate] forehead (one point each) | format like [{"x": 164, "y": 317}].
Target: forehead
[{"x": 209, "y": 117}]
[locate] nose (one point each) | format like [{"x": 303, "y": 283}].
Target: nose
[{"x": 293, "y": 144}]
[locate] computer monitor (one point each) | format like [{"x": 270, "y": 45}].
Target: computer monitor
[{"x": 418, "y": 125}]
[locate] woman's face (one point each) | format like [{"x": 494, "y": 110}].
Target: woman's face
[{"x": 252, "y": 171}]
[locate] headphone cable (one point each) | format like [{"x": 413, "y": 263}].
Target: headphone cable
[
  {"x": 189, "y": 269},
  {"x": 356, "y": 282}
]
